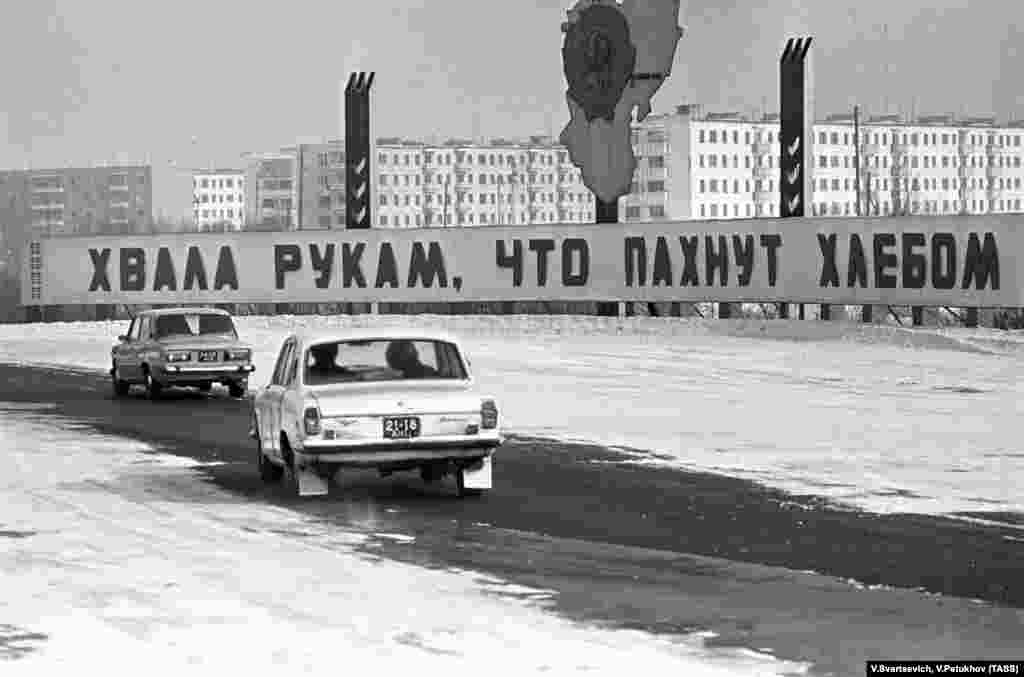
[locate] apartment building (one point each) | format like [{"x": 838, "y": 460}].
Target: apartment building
[
  {"x": 417, "y": 184},
  {"x": 467, "y": 183},
  {"x": 218, "y": 199},
  {"x": 321, "y": 192},
  {"x": 75, "y": 201},
  {"x": 696, "y": 165},
  {"x": 276, "y": 198}
]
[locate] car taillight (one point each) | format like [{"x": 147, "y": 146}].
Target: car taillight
[
  {"x": 311, "y": 420},
  {"x": 488, "y": 414}
]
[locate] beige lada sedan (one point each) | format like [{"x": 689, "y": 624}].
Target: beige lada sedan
[{"x": 181, "y": 347}]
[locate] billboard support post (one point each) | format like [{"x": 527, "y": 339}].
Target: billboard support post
[
  {"x": 796, "y": 119},
  {"x": 359, "y": 184}
]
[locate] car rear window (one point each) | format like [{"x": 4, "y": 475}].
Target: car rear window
[
  {"x": 194, "y": 324},
  {"x": 382, "y": 360}
]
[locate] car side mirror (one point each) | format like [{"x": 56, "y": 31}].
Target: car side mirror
[{"x": 122, "y": 338}]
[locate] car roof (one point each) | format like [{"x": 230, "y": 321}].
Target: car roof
[
  {"x": 313, "y": 336},
  {"x": 156, "y": 312}
]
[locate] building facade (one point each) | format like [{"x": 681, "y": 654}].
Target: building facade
[
  {"x": 693, "y": 165},
  {"x": 83, "y": 201},
  {"x": 218, "y": 199},
  {"x": 72, "y": 201},
  {"x": 462, "y": 183},
  {"x": 416, "y": 184},
  {"x": 277, "y": 199}
]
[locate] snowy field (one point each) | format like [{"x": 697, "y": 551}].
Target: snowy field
[
  {"x": 874, "y": 416},
  {"x": 116, "y": 560}
]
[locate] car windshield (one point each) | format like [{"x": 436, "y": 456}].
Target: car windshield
[
  {"x": 194, "y": 324},
  {"x": 382, "y": 360}
]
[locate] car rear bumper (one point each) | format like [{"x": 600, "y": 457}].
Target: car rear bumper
[{"x": 406, "y": 450}]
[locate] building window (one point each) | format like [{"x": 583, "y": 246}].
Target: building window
[
  {"x": 656, "y": 186},
  {"x": 656, "y": 161},
  {"x": 657, "y": 211},
  {"x": 632, "y": 212}
]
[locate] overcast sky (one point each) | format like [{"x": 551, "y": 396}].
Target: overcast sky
[{"x": 191, "y": 82}]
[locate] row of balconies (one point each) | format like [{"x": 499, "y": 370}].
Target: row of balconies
[{"x": 901, "y": 148}]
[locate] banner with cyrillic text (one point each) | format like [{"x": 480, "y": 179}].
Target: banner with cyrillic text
[{"x": 957, "y": 261}]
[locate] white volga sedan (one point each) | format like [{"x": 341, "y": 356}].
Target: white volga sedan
[{"x": 385, "y": 399}]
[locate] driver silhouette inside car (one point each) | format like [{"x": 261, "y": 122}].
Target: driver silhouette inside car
[
  {"x": 324, "y": 365},
  {"x": 402, "y": 356}
]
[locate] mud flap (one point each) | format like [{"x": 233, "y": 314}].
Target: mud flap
[
  {"x": 477, "y": 475},
  {"x": 310, "y": 481}
]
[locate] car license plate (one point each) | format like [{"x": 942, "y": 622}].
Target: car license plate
[
  {"x": 401, "y": 427},
  {"x": 209, "y": 355}
]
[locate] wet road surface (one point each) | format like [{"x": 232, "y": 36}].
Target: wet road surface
[{"x": 635, "y": 547}]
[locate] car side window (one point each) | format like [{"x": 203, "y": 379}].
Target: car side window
[
  {"x": 292, "y": 370},
  {"x": 282, "y": 360},
  {"x": 144, "y": 329},
  {"x": 133, "y": 329}
]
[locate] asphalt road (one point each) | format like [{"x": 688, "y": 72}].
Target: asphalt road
[{"x": 630, "y": 546}]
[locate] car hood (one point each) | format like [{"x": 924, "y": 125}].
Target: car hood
[
  {"x": 201, "y": 343},
  {"x": 368, "y": 399}
]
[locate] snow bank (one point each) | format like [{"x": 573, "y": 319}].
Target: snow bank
[
  {"x": 880, "y": 417},
  {"x": 112, "y": 566}
]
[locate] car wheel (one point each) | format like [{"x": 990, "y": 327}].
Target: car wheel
[
  {"x": 237, "y": 389},
  {"x": 460, "y": 486},
  {"x": 153, "y": 387},
  {"x": 270, "y": 472},
  {"x": 121, "y": 386}
]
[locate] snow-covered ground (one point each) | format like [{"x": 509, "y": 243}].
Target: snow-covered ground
[
  {"x": 117, "y": 560},
  {"x": 880, "y": 417}
]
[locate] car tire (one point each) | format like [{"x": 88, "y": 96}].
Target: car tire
[
  {"x": 460, "y": 486},
  {"x": 121, "y": 387},
  {"x": 237, "y": 389},
  {"x": 153, "y": 388},
  {"x": 270, "y": 472}
]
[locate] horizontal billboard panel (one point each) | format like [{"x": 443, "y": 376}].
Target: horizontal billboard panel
[{"x": 957, "y": 261}]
